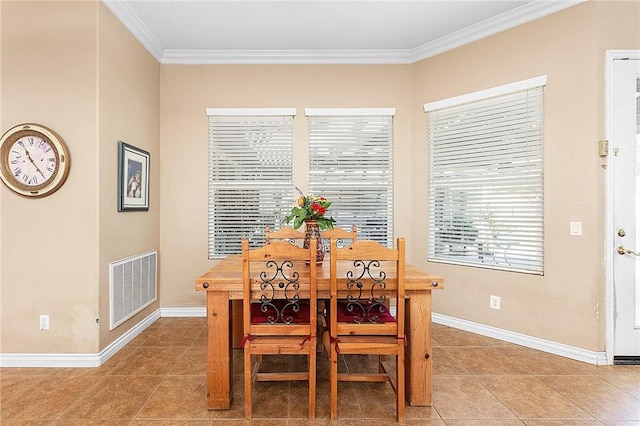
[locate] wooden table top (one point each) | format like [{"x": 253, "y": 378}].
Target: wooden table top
[{"x": 227, "y": 276}]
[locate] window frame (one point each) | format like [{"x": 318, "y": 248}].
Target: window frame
[
  {"x": 273, "y": 190},
  {"x": 515, "y": 245},
  {"x": 337, "y": 190}
]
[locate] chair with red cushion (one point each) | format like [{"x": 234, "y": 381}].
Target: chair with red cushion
[
  {"x": 365, "y": 275},
  {"x": 279, "y": 314}
]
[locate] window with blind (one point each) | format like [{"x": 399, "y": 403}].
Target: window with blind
[
  {"x": 486, "y": 178},
  {"x": 250, "y": 175},
  {"x": 351, "y": 164}
]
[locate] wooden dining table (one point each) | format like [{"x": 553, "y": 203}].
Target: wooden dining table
[{"x": 223, "y": 286}]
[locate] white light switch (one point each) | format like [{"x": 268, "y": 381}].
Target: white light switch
[{"x": 575, "y": 228}]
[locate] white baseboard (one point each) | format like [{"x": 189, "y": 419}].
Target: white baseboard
[
  {"x": 572, "y": 352},
  {"x": 77, "y": 360},
  {"x": 183, "y": 312},
  {"x": 95, "y": 360}
]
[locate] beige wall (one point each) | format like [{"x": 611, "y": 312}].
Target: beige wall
[
  {"x": 69, "y": 75},
  {"x": 128, "y": 111},
  {"x": 49, "y": 245},
  {"x": 565, "y": 305},
  {"x": 100, "y": 86}
]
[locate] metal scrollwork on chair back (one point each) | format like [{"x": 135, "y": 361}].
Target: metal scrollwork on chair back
[
  {"x": 358, "y": 301},
  {"x": 285, "y": 311}
]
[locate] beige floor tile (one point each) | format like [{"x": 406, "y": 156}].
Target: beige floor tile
[
  {"x": 542, "y": 363},
  {"x": 596, "y": 396},
  {"x": 299, "y": 400},
  {"x": 420, "y": 413},
  {"x": 530, "y": 398},
  {"x": 492, "y": 422},
  {"x": 149, "y": 361},
  {"x": 377, "y": 400},
  {"x": 18, "y": 422},
  {"x": 47, "y": 398},
  {"x": 444, "y": 364},
  {"x": 16, "y": 387},
  {"x": 118, "y": 358},
  {"x": 193, "y": 362},
  {"x": 562, "y": 423},
  {"x": 463, "y": 397},
  {"x": 487, "y": 360},
  {"x": 88, "y": 422},
  {"x": 448, "y": 336},
  {"x": 170, "y": 423},
  {"x": 172, "y": 336},
  {"x": 180, "y": 322},
  {"x": 624, "y": 377},
  {"x": 178, "y": 397},
  {"x": 159, "y": 379},
  {"x": 114, "y": 397},
  {"x": 348, "y": 404},
  {"x": 270, "y": 400}
]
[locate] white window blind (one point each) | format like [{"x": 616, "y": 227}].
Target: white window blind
[
  {"x": 486, "y": 179},
  {"x": 351, "y": 164},
  {"x": 250, "y": 175}
]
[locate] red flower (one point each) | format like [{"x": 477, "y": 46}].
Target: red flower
[{"x": 318, "y": 208}]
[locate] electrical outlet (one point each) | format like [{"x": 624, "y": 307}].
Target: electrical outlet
[
  {"x": 575, "y": 228},
  {"x": 494, "y": 302},
  {"x": 44, "y": 322}
]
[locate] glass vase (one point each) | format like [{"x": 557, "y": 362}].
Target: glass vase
[{"x": 313, "y": 231}]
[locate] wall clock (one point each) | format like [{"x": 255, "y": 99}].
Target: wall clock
[{"x": 34, "y": 160}]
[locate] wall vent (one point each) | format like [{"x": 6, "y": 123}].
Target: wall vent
[{"x": 133, "y": 285}]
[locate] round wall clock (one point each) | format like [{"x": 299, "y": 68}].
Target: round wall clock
[{"x": 34, "y": 160}]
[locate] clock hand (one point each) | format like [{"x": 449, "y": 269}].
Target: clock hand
[{"x": 34, "y": 163}]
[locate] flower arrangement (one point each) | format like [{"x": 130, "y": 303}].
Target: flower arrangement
[{"x": 310, "y": 208}]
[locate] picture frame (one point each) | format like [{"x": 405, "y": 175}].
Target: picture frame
[{"x": 133, "y": 178}]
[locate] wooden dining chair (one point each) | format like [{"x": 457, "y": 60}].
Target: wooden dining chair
[
  {"x": 341, "y": 235},
  {"x": 284, "y": 234},
  {"x": 279, "y": 315},
  {"x": 364, "y": 275}
]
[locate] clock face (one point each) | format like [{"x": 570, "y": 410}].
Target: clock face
[{"x": 34, "y": 160}]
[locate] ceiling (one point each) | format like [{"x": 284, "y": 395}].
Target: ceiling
[{"x": 318, "y": 31}]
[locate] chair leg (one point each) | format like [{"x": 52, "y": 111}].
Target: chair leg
[
  {"x": 334, "y": 382},
  {"x": 247, "y": 384},
  {"x": 381, "y": 359},
  {"x": 312, "y": 385},
  {"x": 400, "y": 378}
]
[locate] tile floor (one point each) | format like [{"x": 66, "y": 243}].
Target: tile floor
[{"x": 159, "y": 380}]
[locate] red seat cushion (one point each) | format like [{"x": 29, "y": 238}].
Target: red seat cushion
[
  {"x": 301, "y": 317},
  {"x": 381, "y": 312}
]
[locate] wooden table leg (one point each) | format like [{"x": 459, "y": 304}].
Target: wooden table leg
[
  {"x": 418, "y": 352},
  {"x": 219, "y": 355}
]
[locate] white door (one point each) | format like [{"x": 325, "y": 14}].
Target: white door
[{"x": 625, "y": 142}]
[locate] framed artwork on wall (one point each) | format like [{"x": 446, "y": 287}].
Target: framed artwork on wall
[{"x": 133, "y": 178}]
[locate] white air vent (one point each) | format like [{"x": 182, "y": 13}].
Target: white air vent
[{"x": 132, "y": 286}]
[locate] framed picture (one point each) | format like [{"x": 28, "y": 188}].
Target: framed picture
[{"x": 133, "y": 178}]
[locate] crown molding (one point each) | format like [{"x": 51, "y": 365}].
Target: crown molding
[
  {"x": 134, "y": 24},
  {"x": 518, "y": 16},
  {"x": 511, "y": 19},
  {"x": 370, "y": 56}
]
